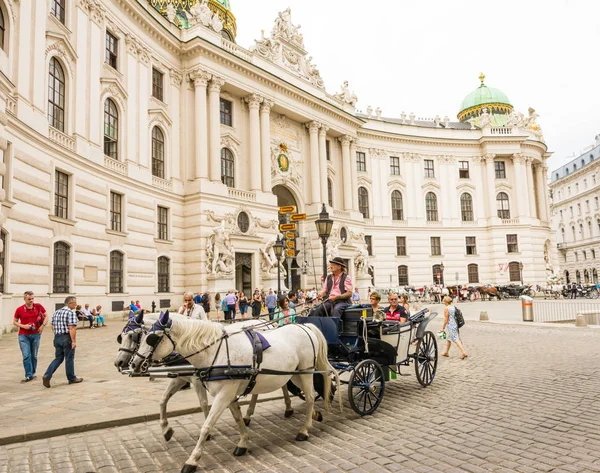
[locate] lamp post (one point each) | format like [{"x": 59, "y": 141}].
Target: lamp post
[
  {"x": 278, "y": 250},
  {"x": 521, "y": 271},
  {"x": 324, "y": 225},
  {"x": 442, "y": 273}
]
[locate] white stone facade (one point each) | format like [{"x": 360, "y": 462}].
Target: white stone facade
[{"x": 284, "y": 126}]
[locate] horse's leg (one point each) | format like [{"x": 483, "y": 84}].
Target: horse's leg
[
  {"x": 306, "y": 383},
  {"x": 289, "y": 412},
  {"x": 236, "y": 412},
  {"x": 202, "y": 397},
  {"x": 175, "y": 385},
  {"x": 250, "y": 410}
]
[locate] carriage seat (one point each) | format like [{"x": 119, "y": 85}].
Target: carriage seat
[{"x": 327, "y": 325}]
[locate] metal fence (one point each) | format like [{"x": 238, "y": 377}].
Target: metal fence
[{"x": 566, "y": 310}]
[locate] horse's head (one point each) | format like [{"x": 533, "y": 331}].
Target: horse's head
[
  {"x": 130, "y": 339},
  {"x": 155, "y": 346}
]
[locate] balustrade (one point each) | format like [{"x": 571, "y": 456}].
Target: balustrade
[
  {"x": 61, "y": 138},
  {"x": 115, "y": 165},
  {"x": 248, "y": 196}
]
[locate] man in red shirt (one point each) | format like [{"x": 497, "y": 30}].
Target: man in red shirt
[
  {"x": 31, "y": 318},
  {"x": 395, "y": 311}
]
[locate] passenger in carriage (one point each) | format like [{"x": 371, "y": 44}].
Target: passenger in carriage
[
  {"x": 285, "y": 313},
  {"x": 395, "y": 311},
  {"x": 337, "y": 290},
  {"x": 375, "y": 299}
]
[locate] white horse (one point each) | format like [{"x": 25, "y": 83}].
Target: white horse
[
  {"x": 130, "y": 339},
  {"x": 293, "y": 348}
]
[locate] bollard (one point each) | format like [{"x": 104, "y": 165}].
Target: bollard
[
  {"x": 580, "y": 321},
  {"x": 483, "y": 315},
  {"x": 527, "y": 308}
]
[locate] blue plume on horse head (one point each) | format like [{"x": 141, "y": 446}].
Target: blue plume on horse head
[
  {"x": 139, "y": 318},
  {"x": 164, "y": 319},
  {"x": 131, "y": 315}
]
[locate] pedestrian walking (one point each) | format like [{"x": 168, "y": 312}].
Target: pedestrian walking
[
  {"x": 243, "y": 304},
  {"x": 271, "y": 302},
  {"x": 30, "y": 318},
  {"x": 218, "y": 303},
  {"x": 451, "y": 328},
  {"x": 64, "y": 324},
  {"x": 205, "y": 302},
  {"x": 256, "y": 304},
  {"x": 229, "y": 302}
]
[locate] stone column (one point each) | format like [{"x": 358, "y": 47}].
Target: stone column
[
  {"x": 200, "y": 79},
  {"x": 254, "y": 101},
  {"x": 408, "y": 195},
  {"x": 176, "y": 79},
  {"x": 479, "y": 197},
  {"x": 315, "y": 179},
  {"x": 347, "y": 170},
  {"x": 419, "y": 198},
  {"x": 214, "y": 97},
  {"x": 265, "y": 144},
  {"x": 323, "y": 163},
  {"x": 531, "y": 188},
  {"x": 490, "y": 183},
  {"x": 521, "y": 197},
  {"x": 445, "y": 200},
  {"x": 354, "y": 175},
  {"x": 540, "y": 172}
]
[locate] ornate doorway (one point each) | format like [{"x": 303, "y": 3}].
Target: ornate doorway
[{"x": 243, "y": 273}]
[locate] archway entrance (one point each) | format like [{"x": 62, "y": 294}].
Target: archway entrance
[
  {"x": 285, "y": 198},
  {"x": 243, "y": 273}
]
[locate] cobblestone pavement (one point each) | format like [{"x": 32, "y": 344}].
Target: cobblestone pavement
[{"x": 525, "y": 400}]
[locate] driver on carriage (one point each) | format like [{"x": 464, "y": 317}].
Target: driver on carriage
[{"x": 337, "y": 290}]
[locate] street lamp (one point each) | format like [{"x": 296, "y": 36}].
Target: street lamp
[
  {"x": 278, "y": 250},
  {"x": 324, "y": 225},
  {"x": 521, "y": 271}
]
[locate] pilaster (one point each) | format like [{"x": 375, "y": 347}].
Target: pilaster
[
  {"x": 214, "y": 91},
  {"x": 265, "y": 144},
  {"x": 347, "y": 170},
  {"x": 200, "y": 79},
  {"x": 315, "y": 179},
  {"x": 254, "y": 101}
]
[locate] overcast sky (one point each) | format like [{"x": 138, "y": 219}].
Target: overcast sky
[{"x": 424, "y": 56}]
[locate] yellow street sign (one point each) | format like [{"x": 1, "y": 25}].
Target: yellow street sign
[
  {"x": 290, "y": 235},
  {"x": 283, "y": 227},
  {"x": 297, "y": 217},
  {"x": 288, "y": 209},
  {"x": 290, "y": 253},
  {"x": 290, "y": 244}
]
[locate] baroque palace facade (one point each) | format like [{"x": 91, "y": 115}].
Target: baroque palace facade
[{"x": 145, "y": 153}]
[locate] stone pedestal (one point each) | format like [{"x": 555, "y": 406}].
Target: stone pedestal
[
  {"x": 220, "y": 284},
  {"x": 362, "y": 283}
]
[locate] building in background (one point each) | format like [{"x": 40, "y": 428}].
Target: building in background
[{"x": 145, "y": 153}]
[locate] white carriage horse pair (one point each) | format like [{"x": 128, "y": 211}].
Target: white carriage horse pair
[{"x": 293, "y": 351}]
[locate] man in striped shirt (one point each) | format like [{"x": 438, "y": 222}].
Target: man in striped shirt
[{"x": 64, "y": 324}]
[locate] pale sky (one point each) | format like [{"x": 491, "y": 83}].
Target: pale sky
[{"x": 424, "y": 56}]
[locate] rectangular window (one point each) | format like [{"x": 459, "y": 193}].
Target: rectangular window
[
  {"x": 61, "y": 195},
  {"x": 226, "y": 112},
  {"x": 587, "y": 205},
  {"x": 58, "y": 10},
  {"x": 394, "y": 165},
  {"x": 112, "y": 50},
  {"x": 585, "y": 183},
  {"x": 463, "y": 169},
  {"x": 400, "y": 246},
  {"x": 473, "y": 271},
  {"x": 512, "y": 245},
  {"x": 116, "y": 216},
  {"x": 361, "y": 161},
  {"x": 578, "y": 209},
  {"x": 402, "y": 275},
  {"x": 596, "y": 201},
  {"x": 429, "y": 170},
  {"x": 328, "y": 150},
  {"x": 471, "y": 243},
  {"x": 157, "y": 84},
  {"x": 163, "y": 223},
  {"x": 369, "y": 243},
  {"x": 436, "y": 246},
  {"x": 500, "y": 168}
]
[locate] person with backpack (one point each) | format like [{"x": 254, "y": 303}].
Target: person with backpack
[
  {"x": 451, "y": 327},
  {"x": 336, "y": 290}
]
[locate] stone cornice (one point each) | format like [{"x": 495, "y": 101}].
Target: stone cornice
[
  {"x": 579, "y": 174},
  {"x": 416, "y": 139}
]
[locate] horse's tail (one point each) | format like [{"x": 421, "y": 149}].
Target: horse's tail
[{"x": 324, "y": 365}]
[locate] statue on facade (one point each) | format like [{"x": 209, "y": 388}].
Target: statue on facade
[
  {"x": 221, "y": 255},
  {"x": 268, "y": 263},
  {"x": 346, "y": 96},
  {"x": 361, "y": 262},
  {"x": 284, "y": 27},
  {"x": 485, "y": 118}
]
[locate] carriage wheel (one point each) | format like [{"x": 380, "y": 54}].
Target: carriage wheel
[
  {"x": 366, "y": 387},
  {"x": 594, "y": 294},
  {"x": 426, "y": 358}
]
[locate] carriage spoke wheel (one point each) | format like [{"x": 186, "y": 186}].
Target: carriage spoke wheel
[
  {"x": 366, "y": 387},
  {"x": 426, "y": 358}
]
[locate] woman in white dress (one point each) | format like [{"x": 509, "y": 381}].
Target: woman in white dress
[{"x": 451, "y": 328}]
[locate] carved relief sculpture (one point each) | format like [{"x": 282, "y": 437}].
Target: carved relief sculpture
[
  {"x": 268, "y": 262},
  {"x": 361, "y": 261},
  {"x": 221, "y": 255},
  {"x": 346, "y": 96}
]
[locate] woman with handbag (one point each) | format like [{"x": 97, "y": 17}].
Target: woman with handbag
[{"x": 451, "y": 328}]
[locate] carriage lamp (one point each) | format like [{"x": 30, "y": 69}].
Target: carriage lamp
[
  {"x": 324, "y": 225},
  {"x": 521, "y": 271},
  {"x": 278, "y": 250}
]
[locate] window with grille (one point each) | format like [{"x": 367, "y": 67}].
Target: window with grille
[
  {"x": 163, "y": 274},
  {"x": 361, "y": 161},
  {"x": 57, "y": 8},
  {"x": 466, "y": 207},
  {"x": 463, "y": 169},
  {"x": 227, "y": 168},
  {"x": 329, "y": 192},
  {"x": 397, "y": 210},
  {"x": 431, "y": 207},
  {"x": 400, "y": 246},
  {"x": 116, "y": 215},
  {"x": 514, "y": 273},
  {"x": 158, "y": 153},
  {"x": 403, "y": 275},
  {"x": 61, "y": 195},
  {"x": 3, "y": 261},
  {"x": 369, "y": 243},
  {"x": 436, "y": 246},
  {"x": 512, "y": 245},
  {"x": 471, "y": 244},
  {"x": 328, "y": 150},
  {"x": 394, "y": 165},
  {"x": 502, "y": 205},
  {"x": 157, "y": 84},
  {"x": 226, "y": 112},
  {"x": 363, "y": 202},
  {"x": 56, "y": 95},
  {"x": 2, "y": 29},
  {"x": 429, "y": 169},
  {"x": 116, "y": 272},
  {"x": 112, "y": 50},
  {"x": 60, "y": 273},
  {"x": 162, "y": 223},
  {"x": 111, "y": 129},
  {"x": 438, "y": 274},
  {"x": 500, "y": 169},
  {"x": 473, "y": 273}
]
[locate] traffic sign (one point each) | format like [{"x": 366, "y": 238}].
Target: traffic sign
[
  {"x": 290, "y": 253},
  {"x": 297, "y": 217},
  {"x": 290, "y": 244},
  {"x": 287, "y": 209},
  {"x": 284, "y": 227},
  {"x": 290, "y": 235}
]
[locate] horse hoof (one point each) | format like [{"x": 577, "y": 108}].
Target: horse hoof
[
  {"x": 247, "y": 422},
  {"x": 168, "y": 434},
  {"x": 189, "y": 468},
  {"x": 289, "y": 413},
  {"x": 238, "y": 452},
  {"x": 301, "y": 437},
  {"x": 318, "y": 417}
]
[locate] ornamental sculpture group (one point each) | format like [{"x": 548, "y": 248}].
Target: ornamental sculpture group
[{"x": 199, "y": 14}]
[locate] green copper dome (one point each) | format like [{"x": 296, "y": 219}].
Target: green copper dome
[
  {"x": 482, "y": 97},
  {"x": 224, "y": 3}
]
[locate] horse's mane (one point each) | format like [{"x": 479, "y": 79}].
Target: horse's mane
[{"x": 194, "y": 335}]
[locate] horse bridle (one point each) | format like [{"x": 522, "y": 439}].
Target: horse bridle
[
  {"x": 136, "y": 330},
  {"x": 153, "y": 340}
]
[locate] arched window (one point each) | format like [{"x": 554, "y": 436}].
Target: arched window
[
  {"x": 58, "y": 10},
  {"x": 567, "y": 171},
  {"x": 158, "y": 153},
  {"x": 403, "y": 275},
  {"x": 330, "y": 192},
  {"x": 56, "y": 95},
  {"x": 574, "y": 234},
  {"x": 581, "y": 230},
  {"x": 591, "y": 157},
  {"x": 2, "y": 29},
  {"x": 163, "y": 274},
  {"x": 397, "y": 211},
  {"x": 557, "y": 176},
  {"x": 116, "y": 272},
  {"x": 562, "y": 230},
  {"x": 363, "y": 201},
  {"x": 111, "y": 129},
  {"x": 595, "y": 276},
  {"x": 466, "y": 207},
  {"x": 60, "y": 279},
  {"x": 567, "y": 278},
  {"x": 227, "y": 168},
  {"x": 574, "y": 167},
  {"x": 431, "y": 207},
  {"x": 582, "y": 162},
  {"x": 438, "y": 274},
  {"x": 514, "y": 271},
  {"x": 3, "y": 261},
  {"x": 473, "y": 273},
  {"x": 577, "y": 277},
  {"x": 502, "y": 205},
  {"x": 586, "y": 276}
]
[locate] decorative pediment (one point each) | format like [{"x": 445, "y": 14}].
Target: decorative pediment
[
  {"x": 365, "y": 181},
  {"x": 396, "y": 183},
  {"x": 58, "y": 42},
  {"x": 431, "y": 185},
  {"x": 114, "y": 88},
  {"x": 503, "y": 186},
  {"x": 466, "y": 187},
  {"x": 158, "y": 116},
  {"x": 230, "y": 141}
]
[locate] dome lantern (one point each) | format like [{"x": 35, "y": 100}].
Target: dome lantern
[{"x": 496, "y": 102}]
